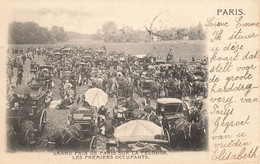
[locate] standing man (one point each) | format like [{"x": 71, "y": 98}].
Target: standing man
[
  {"x": 33, "y": 54},
  {"x": 78, "y": 100},
  {"x": 10, "y": 75},
  {"x": 193, "y": 58},
  {"x": 19, "y": 77},
  {"x": 24, "y": 58},
  {"x": 180, "y": 60}
]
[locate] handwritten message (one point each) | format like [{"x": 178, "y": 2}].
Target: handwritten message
[{"x": 233, "y": 87}]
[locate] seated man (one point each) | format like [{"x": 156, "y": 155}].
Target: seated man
[{"x": 102, "y": 112}]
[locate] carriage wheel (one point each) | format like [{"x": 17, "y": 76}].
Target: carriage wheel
[
  {"x": 168, "y": 136},
  {"x": 93, "y": 143},
  {"x": 43, "y": 121}
]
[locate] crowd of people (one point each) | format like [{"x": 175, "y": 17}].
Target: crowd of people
[{"x": 119, "y": 76}]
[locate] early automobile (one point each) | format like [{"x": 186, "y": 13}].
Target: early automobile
[{"x": 170, "y": 108}]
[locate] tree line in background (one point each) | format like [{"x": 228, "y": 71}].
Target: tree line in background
[
  {"x": 110, "y": 33},
  {"x": 32, "y": 33}
]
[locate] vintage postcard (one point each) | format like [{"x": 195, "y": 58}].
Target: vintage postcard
[{"x": 121, "y": 81}]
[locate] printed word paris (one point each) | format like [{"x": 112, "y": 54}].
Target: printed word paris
[{"x": 230, "y": 12}]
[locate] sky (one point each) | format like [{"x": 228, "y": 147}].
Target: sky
[{"x": 87, "y": 17}]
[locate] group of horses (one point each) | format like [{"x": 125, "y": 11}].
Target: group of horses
[
  {"x": 71, "y": 138},
  {"x": 21, "y": 136},
  {"x": 187, "y": 131}
]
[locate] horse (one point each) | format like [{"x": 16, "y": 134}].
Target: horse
[
  {"x": 28, "y": 133},
  {"x": 199, "y": 88},
  {"x": 71, "y": 138},
  {"x": 186, "y": 135},
  {"x": 12, "y": 138},
  {"x": 22, "y": 136}
]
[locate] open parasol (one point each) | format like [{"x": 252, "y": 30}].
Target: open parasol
[
  {"x": 22, "y": 89},
  {"x": 137, "y": 130},
  {"x": 96, "y": 97}
]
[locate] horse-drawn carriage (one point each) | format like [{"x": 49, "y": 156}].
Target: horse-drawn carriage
[
  {"x": 124, "y": 87},
  {"x": 86, "y": 58},
  {"x": 197, "y": 75},
  {"x": 101, "y": 51},
  {"x": 140, "y": 59},
  {"x": 71, "y": 139},
  {"x": 57, "y": 56},
  {"x": 148, "y": 88},
  {"x": 46, "y": 72},
  {"x": 38, "y": 95},
  {"x": 144, "y": 60},
  {"x": 66, "y": 50},
  {"x": 100, "y": 61},
  {"x": 85, "y": 118},
  {"x": 80, "y": 133},
  {"x": 184, "y": 134},
  {"x": 27, "y": 117},
  {"x": 159, "y": 62}
]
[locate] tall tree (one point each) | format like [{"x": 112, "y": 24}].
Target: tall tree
[
  {"x": 58, "y": 33},
  {"x": 110, "y": 30},
  {"x": 29, "y": 33}
]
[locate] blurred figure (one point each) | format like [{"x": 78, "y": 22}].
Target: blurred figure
[{"x": 78, "y": 100}]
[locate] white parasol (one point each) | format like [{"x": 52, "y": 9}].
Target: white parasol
[
  {"x": 96, "y": 97},
  {"x": 137, "y": 130}
]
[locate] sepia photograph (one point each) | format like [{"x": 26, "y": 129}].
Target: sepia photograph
[
  {"x": 130, "y": 81},
  {"x": 88, "y": 80}
]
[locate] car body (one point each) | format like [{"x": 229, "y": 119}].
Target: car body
[{"x": 170, "y": 108}]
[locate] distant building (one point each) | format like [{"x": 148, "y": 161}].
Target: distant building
[{"x": 186, "y": 37}]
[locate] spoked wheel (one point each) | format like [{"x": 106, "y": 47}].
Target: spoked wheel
[
  {"x": 43, "y": 121},
  {"x": 93, "y": 143}
]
